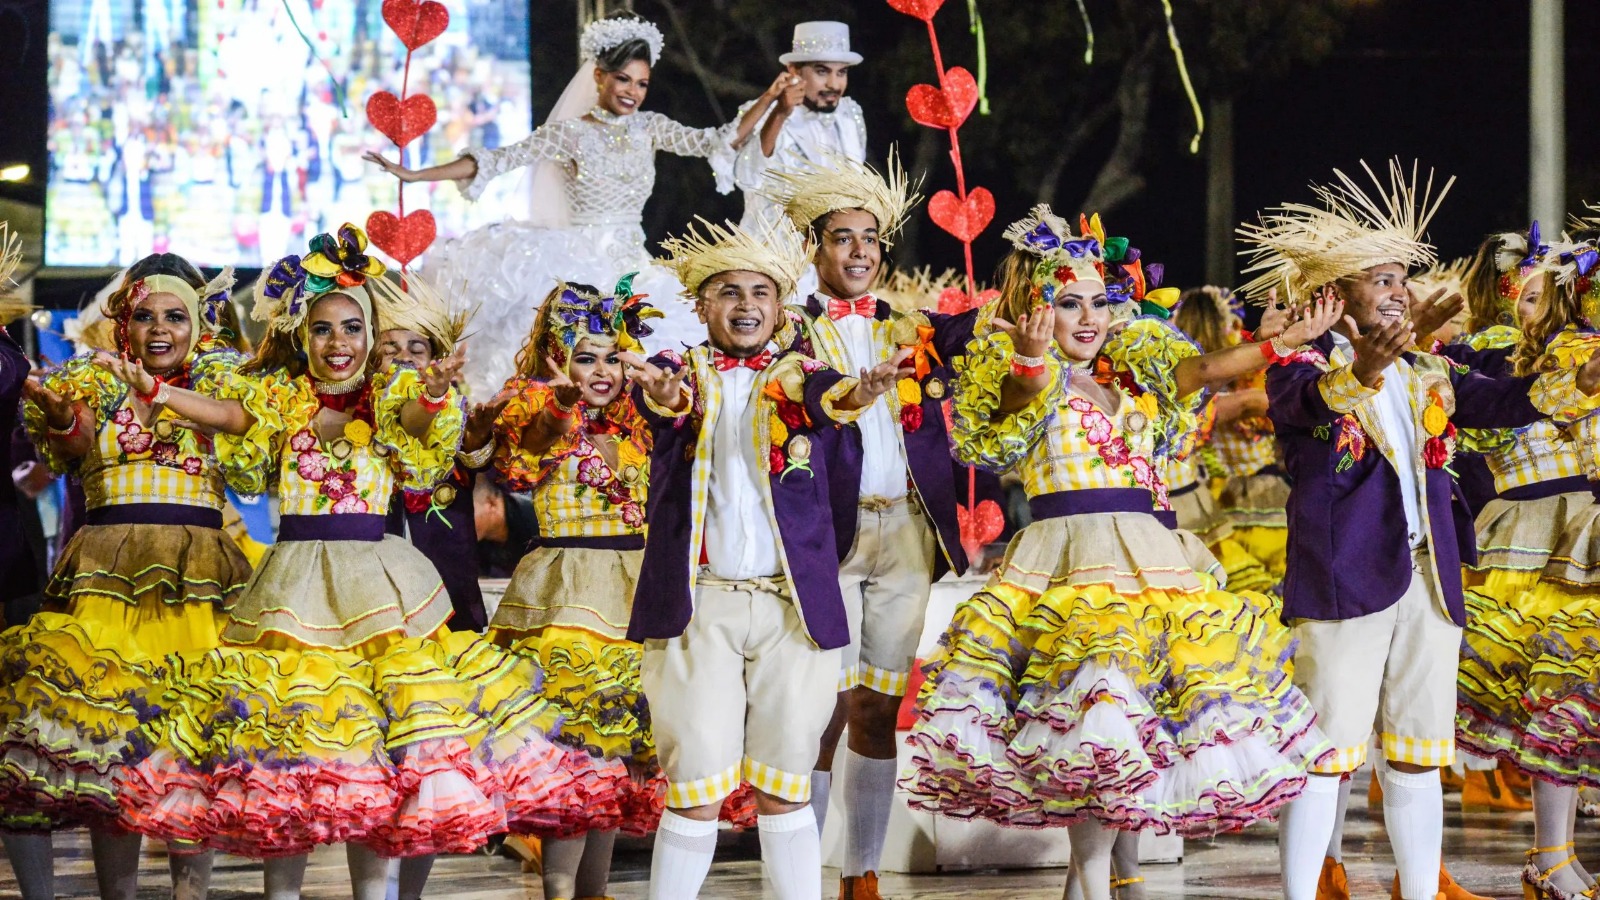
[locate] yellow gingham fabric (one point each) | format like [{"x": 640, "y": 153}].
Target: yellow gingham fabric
[
  {"x": 1179, "y": 473},
  {"x": 704, "y": 791},
  {"x": 1397, "y": 748},
  {"x": 790, "y": 786},
  {"x": 891, "y": 684},
  {"x": 575, "y": 492},
  {"x": 848, "y": 678},
  {"x": 1342, "y": 392},
  {"x": 112, "y": 476},
  {"x": 1066, "y": 459},
  {"x": 1241, "y": 455},
  {"x": 1541, "y": 452},
  {"x": 1341, "y": 760}
]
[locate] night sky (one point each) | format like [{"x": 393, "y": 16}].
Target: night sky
[{"x": 1444, "y": 82}]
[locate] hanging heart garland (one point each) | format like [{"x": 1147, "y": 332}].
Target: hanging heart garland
[
  {"x": 965, "y": 219},
  {"x": 406, "y": 236}
]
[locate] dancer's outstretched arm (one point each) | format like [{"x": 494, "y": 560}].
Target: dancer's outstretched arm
[{"x": 226, "y": 416}]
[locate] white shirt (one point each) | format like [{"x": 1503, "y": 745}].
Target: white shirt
[
  {"x": 1399, "y": 427},
  {"x": 739, "y": 539},
  {"x": 806, "y": 141},
  {"x": 883, "y": 460}
]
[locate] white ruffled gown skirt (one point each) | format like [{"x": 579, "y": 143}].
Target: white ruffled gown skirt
[{"x": 502, "y": 272}]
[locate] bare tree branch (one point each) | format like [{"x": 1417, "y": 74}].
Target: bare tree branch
[
  {"x": 701, "y": 72},
  {"x": 1120, "y": 178},
  {"x": 1084, "y": 129}
]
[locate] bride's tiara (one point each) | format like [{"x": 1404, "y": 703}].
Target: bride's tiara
[{"x": 603, "y": 34}]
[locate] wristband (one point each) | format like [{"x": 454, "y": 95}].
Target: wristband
[
  {"x": 557, "y": 411},
  {"x": 156, "y": 394},
  {"x": 1276, "y": 353},
  {"x": 432, "y": 404},
  {"x": 1018, "y": 370},
  {"x": 1017, "y": 359},
  {"x": 477, "y": 458},
  {"x": 70, "y": 430}
]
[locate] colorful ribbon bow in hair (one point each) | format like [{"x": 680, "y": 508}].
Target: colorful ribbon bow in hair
[
  {"x": 286, "y": 282},
  {"x": 339, "y": 261},
  {"x": 1537, "y": 249}
]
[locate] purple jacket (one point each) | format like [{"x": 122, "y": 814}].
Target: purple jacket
[
  {"x": 1348, "y": 553},
  {"x": 663, "y": 602},
  {"x": 448, "y": 537},
  {"x": 16, "y": 559},
  {"x": 927, "y": 448}
]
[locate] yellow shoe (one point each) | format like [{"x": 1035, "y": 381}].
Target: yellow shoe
[
  {"x": 1485, "y": 790},
  {"x": 528, "y": 849},
  {"x": 860, "y": 887},
  {"x": 1333, "y": 883}
]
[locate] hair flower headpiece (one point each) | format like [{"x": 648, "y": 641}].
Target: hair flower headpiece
[
  {"x": 619, "y": 318},
  {"x": 286, "y": 289},
  {"x": 603, "y": 34},
  {"x": 1089, "y": 255},
  {"x": 214, "y": 297}
]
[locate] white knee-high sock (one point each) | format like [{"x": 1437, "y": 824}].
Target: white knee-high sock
[
  {"x": 413, "y": 876},
  {"x": 1303, "y": 832},
  {"x": 369, "y": 872},
  {"x": 791, "y": 854},
  {"x": 116, "y": 863},
  {"x": 33, "y": 862},
  {"x": 1091, "y": 858},
  {"x": 1413, "y": 813},
  {"x": 683, "y": 853},
  {"x": 869, "y": 799},
  {"x": 283, "y": 877},
  {"x": 191, "y": 873},
  {"x": 821, "y": 789},
  {"x": 1336, "y": 838}
]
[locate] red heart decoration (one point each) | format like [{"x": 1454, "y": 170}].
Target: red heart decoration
[
  {"x": 964, "y": 220},
  {"x": 953, "y": 301},
  {"x": 401, "y": 121},
  {"x": 921, "y": 9},
  {"x": 946, "y": 108},
  {"x": 979, "y": 528},
  {"x": 415, "y": 23},
  {"x": 404, "y": 239}
]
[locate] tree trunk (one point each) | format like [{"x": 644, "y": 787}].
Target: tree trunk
[
  {"x": 1119, "y": 178},
  {"x": 1220, "y": 213}
]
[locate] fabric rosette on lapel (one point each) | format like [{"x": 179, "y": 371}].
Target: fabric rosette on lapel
[
  {"x": 787, "y": 450},
  {"x": 1440, "y": 446}
]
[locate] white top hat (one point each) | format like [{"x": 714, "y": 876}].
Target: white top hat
[{"x": 821, "y": 42}]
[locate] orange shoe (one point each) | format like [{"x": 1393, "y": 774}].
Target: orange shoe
[
  {"x": 1449, "y": 780},
  {"x": 1485, "y": 790},
  {"x": 528, "y": 849},
  {"x": 1448, "y": 889},
  {"x": 860, "y": 887},
  {"x": 1375, "y": 792},
  {"x": 1332, "y": 884},
  {"x": 1515, "y": 778}
]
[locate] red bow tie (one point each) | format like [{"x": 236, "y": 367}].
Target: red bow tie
[
  {"x": 861, "y": 306},
  {"x": 724, "y": 362}
]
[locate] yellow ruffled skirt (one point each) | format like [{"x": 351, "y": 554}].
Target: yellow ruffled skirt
[
  {"x": 1199, "y": 514},
  {"x": 1529, "y": 682},
  {"x": 77, "y": 680},
  {"x": 389, "y": 731},
  {"x": 1255, "y": 504},
  {"x": 1097, "y": 674}
]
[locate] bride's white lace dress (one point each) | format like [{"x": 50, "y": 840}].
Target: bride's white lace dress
[{"x": 505, "y": 270}]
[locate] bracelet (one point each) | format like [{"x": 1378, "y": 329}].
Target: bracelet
[
  {"x": 1017, "y": 359},
  {"x": 1276, "y": 352},
  {"x": 155, "y": 395},
  {"x": 477, "y": 458},
  {"x": 1018, "y": 370},
  {"x": 433, "y": 404},
  {"x": 557, "y": 411},
  {"x": 70, "y": 430}
]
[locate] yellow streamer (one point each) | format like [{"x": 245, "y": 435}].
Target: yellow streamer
[
  {"x": 1088, "y": 30},
  {"x": 1183, "y": 73}
]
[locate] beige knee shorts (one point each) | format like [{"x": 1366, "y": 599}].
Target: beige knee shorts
[
  {"x": 886, "y": 581},
  {"x": 743, "y": 693},
  {"x": 1395, "y": 668}
]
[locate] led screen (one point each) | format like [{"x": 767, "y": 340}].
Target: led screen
[{"x": 229, "y": 131}]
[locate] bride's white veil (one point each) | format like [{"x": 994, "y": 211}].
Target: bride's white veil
[{"x": 549, "y": 206}]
